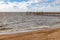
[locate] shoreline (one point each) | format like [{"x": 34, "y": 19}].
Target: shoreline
[
  {"x": 26, "y": 31},
  {"x": 48, "y": 34}
]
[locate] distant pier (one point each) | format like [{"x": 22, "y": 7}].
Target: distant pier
[
  {"x": 33, "y": 13},
  {"x": 44, "y": 13}
]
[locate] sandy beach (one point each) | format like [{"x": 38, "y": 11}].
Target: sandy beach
[{"x": 47, "y": 34}]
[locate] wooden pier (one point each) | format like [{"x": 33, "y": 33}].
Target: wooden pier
[{"x": 44, "y": 13}]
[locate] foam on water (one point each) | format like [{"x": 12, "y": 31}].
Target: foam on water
[{"x": 16, "y": 22}]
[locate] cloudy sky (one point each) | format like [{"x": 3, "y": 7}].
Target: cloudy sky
[{"x": 30, "y": 5}]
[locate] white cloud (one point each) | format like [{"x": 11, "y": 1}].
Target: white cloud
[
  {"x": 57, "y": 1},
  {"x": 15, "y": 6},
  {"x": 39, "y": 6},
  {"x": 38, "y": 0},
  {"x": 51, "y": 9},
  {"x": 45, "y": 7}
]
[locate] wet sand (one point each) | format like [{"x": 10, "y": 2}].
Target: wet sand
[{"x": 47, "y": 34}]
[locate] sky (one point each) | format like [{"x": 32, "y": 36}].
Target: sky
[{"x": 29, "y": 5}]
